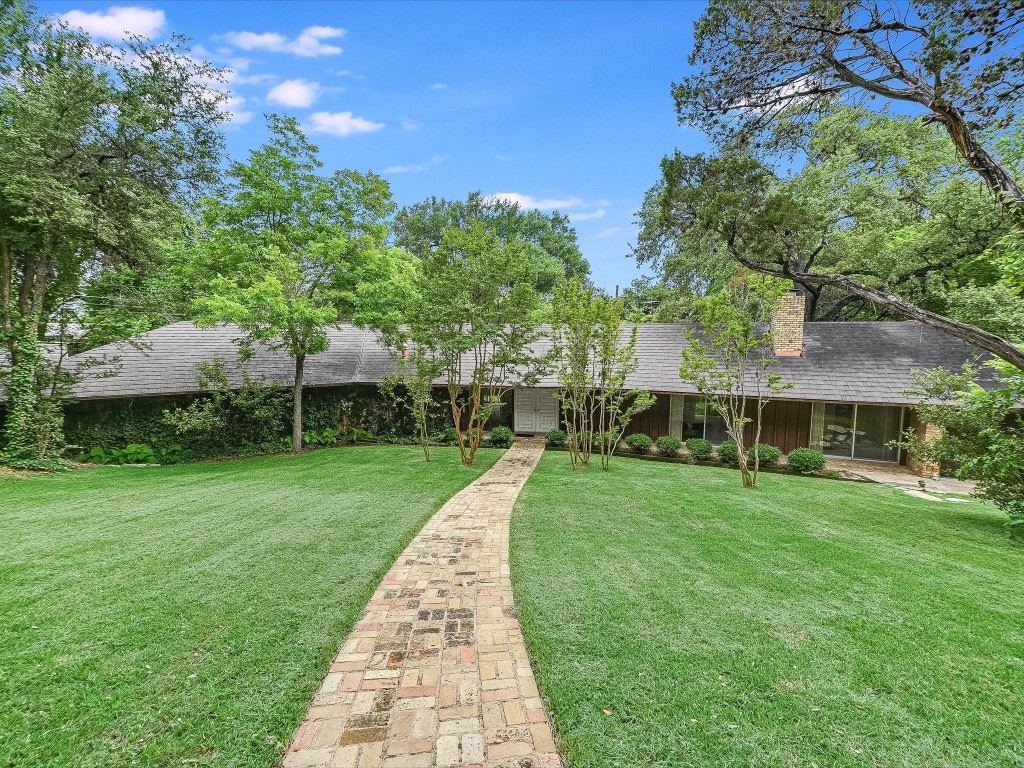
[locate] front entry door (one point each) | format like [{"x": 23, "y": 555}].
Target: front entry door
[{"x": 536, "y": 411}]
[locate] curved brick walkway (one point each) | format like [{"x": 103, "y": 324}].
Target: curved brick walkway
[{"x": 436, "y": 673}]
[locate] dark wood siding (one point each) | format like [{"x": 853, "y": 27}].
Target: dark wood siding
[
  {"x": 786, "y": 424},
  {"x": 654, "y": 421}
]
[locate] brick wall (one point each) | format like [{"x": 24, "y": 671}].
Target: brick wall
[
  {"x": 788, "y": 325},
  {"x": 923, "y": 431}
]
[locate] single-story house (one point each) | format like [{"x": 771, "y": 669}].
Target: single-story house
[{"x": 848, "y": 397}]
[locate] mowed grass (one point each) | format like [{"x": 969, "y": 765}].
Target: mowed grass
[
  {"x": 183, "y": 616},
  {"x": 678, "y": 619}
]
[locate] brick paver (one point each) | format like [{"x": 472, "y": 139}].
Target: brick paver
[{"x": 435, "y": 673}]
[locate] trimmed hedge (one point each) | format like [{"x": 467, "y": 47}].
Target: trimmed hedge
[
  {"x": 699, "y": 448},
  {"x": 639, "y": 443},
  {"x": 668, "y": 445},
  {"x": 807, "y": 461}
]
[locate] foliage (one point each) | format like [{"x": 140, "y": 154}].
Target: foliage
[
  {"x": 33, "y": 434},
  {"x": 699, "y": 448},
  {"x": 292, "y": 252},
  {"x": 413, "y": 388},
  {"x": 731, "y": 361},
  {"x": 555, "y": 438},
  {"x": 358, "y": 435},
  {"x": 668, "y": 445},
  {"x": 133, "y": 453},
  {"x": 767, "y": 455},
  {"x": 473, "y": 316},
  {"x": 593, "y": 363},
  {"x": 638, "y": 442},
  {"x": 982, "y": 432},
  {"x": 447, "y": 436},
  {"x": 729, "y": 452},
  {"x": 806, "y": 461},
  {"x": 501, "y": 437},
  {"x": 766, "y": 70},
  {"x": 548, "y": 239}
]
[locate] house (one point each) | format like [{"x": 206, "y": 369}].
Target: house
[{"x": 848, "y": 397}]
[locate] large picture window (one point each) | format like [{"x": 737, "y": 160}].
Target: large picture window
[
  {"x": 691, "y": 416},
  {"x": 856, "y": 431}
]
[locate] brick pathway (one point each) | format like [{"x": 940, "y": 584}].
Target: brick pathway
[{"x": 436, "y": 673}]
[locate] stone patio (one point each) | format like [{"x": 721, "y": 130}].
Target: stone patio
[{"x": 436, "y": 673}]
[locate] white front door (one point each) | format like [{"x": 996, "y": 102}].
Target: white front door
[{"x": 536, "y": 411}]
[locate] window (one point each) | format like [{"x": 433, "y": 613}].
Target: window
[{"x": 856, "y": 431}]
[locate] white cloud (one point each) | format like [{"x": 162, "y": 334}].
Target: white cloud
[
  {"x": 543, "y": 203},
  {"x": 118, "y": 21},
  {"x": 410, "y": 125},
  {"x": 598, "y": 214},
  {"x": 417, "y": 168},
  {"x": 294, "y": 93},
  {"x": 346, "y": 73},
  {"x": 608, "y": 232},
  {"x": 308, "y": 43},
  {"x": 234, "y": 108},
  {"x": 341, "y": 124},
  {"x": 438, "y": 86},
  {"x": 502, "y": 158}
]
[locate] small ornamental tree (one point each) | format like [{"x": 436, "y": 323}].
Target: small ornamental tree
[
  {"x": 731, "y": 362},
  {"x": 419, "y": 369},
  {"x": 593, "y": 365},
  {"x": 475, "y": 316},
  {"x": 290, "y": 252}
]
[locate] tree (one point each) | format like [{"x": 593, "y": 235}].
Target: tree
[
  {"x": 734, "y": 204},
  {"x": 768, "y": 69},
  {"x": 731, "y": 363},
  {"x": 982, "y": 431},
  {"x": 549, "y": 239},
  {"x": 414, "y": 387},
  {"x": 290, "y": 253},
  {"x": 475, "y": 315},
  {"x": 95, "y": 142},
  {"x": 593, "y": 364}
]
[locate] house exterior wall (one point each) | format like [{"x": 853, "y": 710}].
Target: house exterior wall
[
  {"x": 786, "y": 424},
  {"x": 923, "y": 431}
]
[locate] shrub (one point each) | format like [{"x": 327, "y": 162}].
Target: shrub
[
  {"x": 358, "y": 435},
  {"x": 807, "y": 461},
  {"x": 699, "y": 448},
  {"x": 729, "y": 453},
  {"x": 639, "y": 443},
  {"x": 555, "y": 438},
  {"x": 501, "y": 437},
  {"x": 133, "y": 453},
  {"x": 668, "y": 445},
  {"x": 448, "y": 436},
  {"x": 767, "y": 455}
]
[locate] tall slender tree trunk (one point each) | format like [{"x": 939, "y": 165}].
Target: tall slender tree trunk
[{"x": 300, "y": 364}]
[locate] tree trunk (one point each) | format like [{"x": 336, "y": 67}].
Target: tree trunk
[
  {"x": 300, "y": 362},
  {"x": 982, "y": 339},
  {"x": 1002, "y": 184}
]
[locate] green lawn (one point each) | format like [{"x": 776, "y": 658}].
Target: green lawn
[
  {"x": 183, "y": 616},
  {"x": 677, "y": 619}
]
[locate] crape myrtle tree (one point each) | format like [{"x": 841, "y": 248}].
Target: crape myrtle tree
[
  {"x": 474, "y": 315},
  {"x": 767, "y": 71},
  {"x": 96, "y": 142},
  {"x": 593, "y": 357},
  {"x": 730, "y": 360},
  {"x": 289, "y": 252}
]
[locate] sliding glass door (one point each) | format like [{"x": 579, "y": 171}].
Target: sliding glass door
[{"x": 856, "y": 431}]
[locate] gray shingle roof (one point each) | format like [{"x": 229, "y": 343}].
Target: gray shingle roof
[{"x": 869, "y": 362}]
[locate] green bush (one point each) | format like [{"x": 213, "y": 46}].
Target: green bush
[
  {"x": 668, "y": 445},
  {"x": 359, "y": 435},
  {"x": 807, "y": 461},
  {"x": 314, "y": 438},
  {"x": 555, "y": 438},
  {"x": 699, "y": 448},
  {"x": 133, "y": 453},
  {"x": 447, "y": 436},
  {"x": 639, "y": 443},
  {"x": 767, "y": 455},
  {"x": 501, "y": 437},
  {"x": 728, "y": 452}
]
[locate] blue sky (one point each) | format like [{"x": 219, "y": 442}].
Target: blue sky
[{"x": 562, "y": 104}]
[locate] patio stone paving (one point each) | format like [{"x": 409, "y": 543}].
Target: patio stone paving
[{"x": 435, "y": 673}]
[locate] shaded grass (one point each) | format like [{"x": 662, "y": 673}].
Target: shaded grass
[
  {"x": 185, "y": 615},
  {"x": 678, "y": 619}
]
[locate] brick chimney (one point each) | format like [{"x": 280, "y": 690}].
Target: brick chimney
[{"x": 788, "y": 325}]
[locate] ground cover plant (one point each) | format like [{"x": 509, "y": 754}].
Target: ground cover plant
[
  {"x": 677, "y": 619},
  {"x": 184, "y": 615}
]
